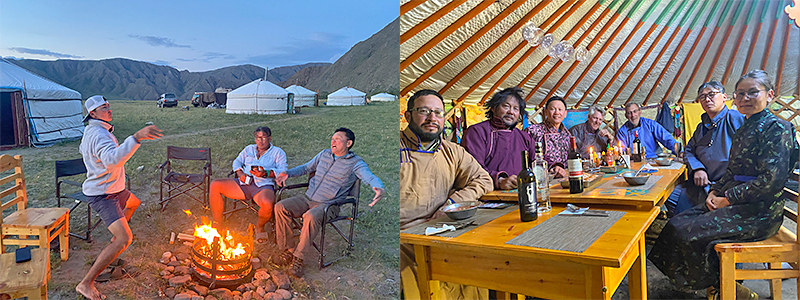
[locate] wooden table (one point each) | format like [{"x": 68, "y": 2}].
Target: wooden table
[
  {"x": 642, "y": 200},
  {"x": 28, "y": 278},
  {"x": 482, "y": 258}
]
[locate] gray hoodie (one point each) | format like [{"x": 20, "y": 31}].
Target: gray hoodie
[{"x": 104, "y": 158}]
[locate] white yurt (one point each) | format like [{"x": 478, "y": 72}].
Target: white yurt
[
  {"x": 258, "y": 97},
  {"x": 383, "y": 97},
  {"x": 302, "y": 96},
  {"x": 347, "y": 96},
  {"x": 36, "y": 109}
]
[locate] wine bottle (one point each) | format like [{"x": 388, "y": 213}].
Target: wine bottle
[
  {"x": 636, "y": 154},
  {"x": 542, "y": 181},
  {"x": 526, "y": 190},
  {"x": 575, "y": 169}
]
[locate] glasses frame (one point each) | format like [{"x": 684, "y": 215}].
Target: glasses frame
[
  {"x": 422, "y": 112},
  {"x": 747, "y": 95},
  {"x": 711, "y": 95}
]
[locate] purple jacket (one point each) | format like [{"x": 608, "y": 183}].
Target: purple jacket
[{"x": 497, "y": 150}]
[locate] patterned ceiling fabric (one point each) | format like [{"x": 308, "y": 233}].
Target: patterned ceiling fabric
[{"x": 641, "y": 51}]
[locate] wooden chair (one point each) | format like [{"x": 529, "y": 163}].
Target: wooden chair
[
  {"x": 46, "y": 223},
  {"x": 351, "y": 199},
  {"x": 28, "y": 279},
  {"x": 782, "y": 247}
]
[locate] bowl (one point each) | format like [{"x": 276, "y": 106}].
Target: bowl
[
  {"x": 635, "y": 180},
  {"x": 461, "y": 210},
  {"x": 664, "y": 161}
]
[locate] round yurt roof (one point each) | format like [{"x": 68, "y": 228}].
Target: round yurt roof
[
  {"x": 347, "y": 92},
  {"x": 383, "y": 97},
  {"x": 642, "y": 51},
  {"x": 260, "y": 87},
  {"x": 13, "y": 77},
  {"x": 300, "y": 91}
]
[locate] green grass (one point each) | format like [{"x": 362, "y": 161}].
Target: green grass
[{"x": 301, "y": 136}]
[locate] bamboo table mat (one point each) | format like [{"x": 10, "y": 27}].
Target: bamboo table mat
[
  {"x": 482, "y": 216},
  {"x": 574, "y": 233}
]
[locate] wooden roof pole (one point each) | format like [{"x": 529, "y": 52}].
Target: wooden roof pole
[
  {"x": 724, "y": 43},
  {"x": 594, "y": 41},
  {"x": 445, "y": 33},
  {"x": 536, "y": 9},
  {"x": 707, "y": 47},
  {"x": 738, "y": 44},
  {"x": 771, "y": 35},
  {"x": 603, "y": 48},
  {"x": 639, "y": 45},
  {"x": 408, "y": 6},
  {"x": 442, "y": 35},
  {"x": 619, "y": 50},
  {"x": 652, "y": 47},
  {"x": 574, "y": 30},
  {"x": 530, "y": 50},
  {"x": 674, "y": 54},
  {"x": 691, "y": 50},
  {"x": 510, "y": 55},
  {"x": 784, "y": 46},
  {"x": 430, "y": 20},
  {"x": 754, "y": 39}
]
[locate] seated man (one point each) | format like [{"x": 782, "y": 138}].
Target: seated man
[
  {"x": 496, "y": 142},
  {"x": 707, "y": 152},
  {"x": 433, "y": 170},
  {"x": 589, "y": 134},
  {"x": 259, "y": 187},
  {"x": 336, "y": 171},
  {"x": 650, "y": 131}
]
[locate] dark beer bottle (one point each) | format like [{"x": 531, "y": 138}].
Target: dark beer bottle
[
  {"x": 575, "y": 169},
  {"x": 636, "y": 151},
  {"x": 526, "y": 190}
]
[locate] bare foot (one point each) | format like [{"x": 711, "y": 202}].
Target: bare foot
[{"x": 89, "y": 291}]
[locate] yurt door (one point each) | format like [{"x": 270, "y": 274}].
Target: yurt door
[{"x": 13, "y": 131}]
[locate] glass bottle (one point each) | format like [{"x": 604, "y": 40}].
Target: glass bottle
[
  {"x": 636, "y": 154},
  {"x": 526, "y": 190},
  {"x": 575, "y": 169},
  {"x": 542, "y": 181}
]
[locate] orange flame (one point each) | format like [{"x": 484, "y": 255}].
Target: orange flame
[
  {"x": 188, "y": 212},
  {"x": 227, "y": 250}
]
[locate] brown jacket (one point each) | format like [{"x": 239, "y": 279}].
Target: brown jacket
[{"x": 428, "y": 178}]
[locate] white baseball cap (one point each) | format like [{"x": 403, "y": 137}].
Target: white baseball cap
[{"x": 92, "y": 103}]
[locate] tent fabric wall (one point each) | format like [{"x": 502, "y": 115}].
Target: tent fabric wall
[
  {"x": 54, "y": 112},
  {"x": 258, "y": 97},
  {"x": 469, "y": 59},
  {"x": 302, "y": 96},
  {"x": 347, "y": 96},
  {"x": 383, "y": 97}
]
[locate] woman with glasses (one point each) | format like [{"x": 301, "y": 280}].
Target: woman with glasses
[
  {"x": 553, "y": 135},
  {"x": 745, "y": 205}
]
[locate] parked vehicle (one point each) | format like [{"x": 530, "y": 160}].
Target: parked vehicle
[
  {"x": 167, "y": 100},
  {"x": 204, "y": 99}
]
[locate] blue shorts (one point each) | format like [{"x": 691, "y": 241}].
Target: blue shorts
[
  {"x": 251, "y": 190},
  {"x": 109, "y": 206}
]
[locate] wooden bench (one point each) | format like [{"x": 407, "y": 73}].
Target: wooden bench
[{"x": 28, "y": 279}]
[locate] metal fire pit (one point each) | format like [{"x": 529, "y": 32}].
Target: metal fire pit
[{"x": 237, "y": 271}]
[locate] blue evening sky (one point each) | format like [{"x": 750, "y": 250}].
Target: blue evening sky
[{"x": 191, "y": 35}]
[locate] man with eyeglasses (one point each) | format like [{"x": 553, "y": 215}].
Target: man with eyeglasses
[
  {"x": 706, "y": 154},
  {"x": 650, "y": 132},
  {"x": 497, "y": 142},
  {"x": 433, "y": 171}
]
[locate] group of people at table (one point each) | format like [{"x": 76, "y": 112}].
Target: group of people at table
[{"x": 738, "y": 161}]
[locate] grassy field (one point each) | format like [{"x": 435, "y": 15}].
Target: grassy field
[{"x": 371, "y": 272}]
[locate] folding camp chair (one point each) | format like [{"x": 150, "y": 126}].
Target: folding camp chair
[
  {"x": 246, "y": 203},
  {"x": 352, "y": 199},
  {"x": 178, "y": 183},
  {"x": 70, "y": 168}
]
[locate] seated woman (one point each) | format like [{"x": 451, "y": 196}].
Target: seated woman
[
  {"x": 744, "y": 205},
  {"x": 553, "y": 135},
  {"x": 260, "y": 187}
]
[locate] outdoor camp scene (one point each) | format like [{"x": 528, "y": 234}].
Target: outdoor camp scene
[
  {"x": 603, "y": 149},
  {"x": 199, "y": 150}
]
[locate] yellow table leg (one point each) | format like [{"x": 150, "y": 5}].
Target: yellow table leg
[
  {"x": 422, "y": 254},
  {"x": 637, "y": 278}
]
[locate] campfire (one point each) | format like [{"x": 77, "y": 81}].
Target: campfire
[{"x": 221, "y": 259}]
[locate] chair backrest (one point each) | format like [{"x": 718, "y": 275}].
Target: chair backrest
[
  {"x": 14, "y": 194},
  {"x": 792, "y": 196},
  {"x": 355, "y": 190},
  {"x": 174, "y": 152},
  {"x": 69, "y": 167}
]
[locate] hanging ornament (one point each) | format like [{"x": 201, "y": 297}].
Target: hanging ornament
[
  {"x": 567, "y": 52},
  {"x": 536, "y": 37},
  {"x": 581, "y": 53},
  {"x": 527, "y": 31},
  {"x": 556, "y": 50},
  {"x": 547, "y": 41}
]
